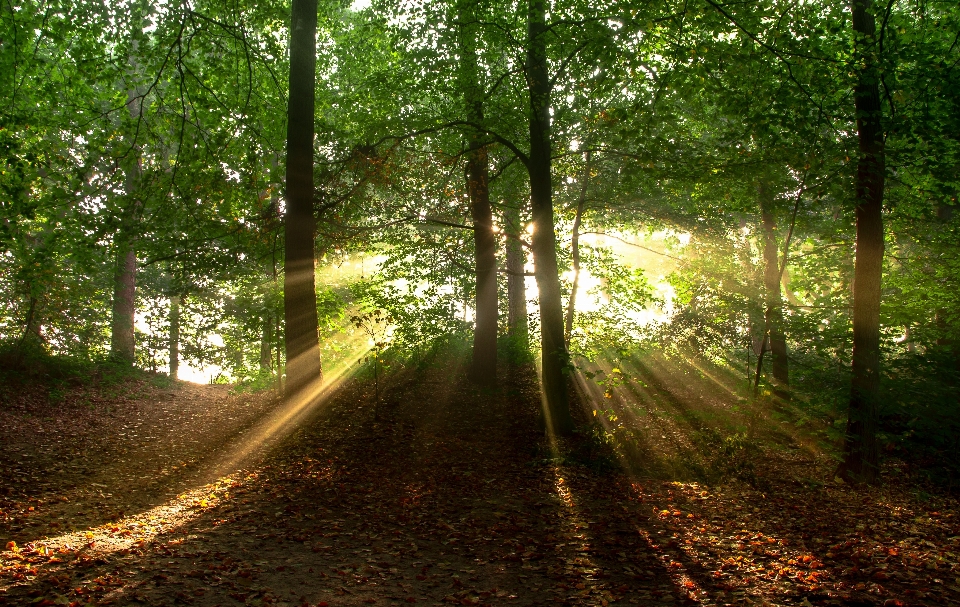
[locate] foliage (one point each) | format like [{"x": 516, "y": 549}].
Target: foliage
[
  {"x": 375, "y": 325},
  {"x": 158, "y": 124},
  {"x": 626, "y": 296}
]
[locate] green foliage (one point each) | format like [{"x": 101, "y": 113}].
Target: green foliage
[
  {"x": 162, "y": 125},
  {"x": 717, "y": 300},
  {"x": 424, "y": 313},
  {"x": 726, "y": 457},
  {"x": 259, "y": 382},
  {"x": 376, "y": 326},
  {"x": 594, "y": 448},
  {"x": 626, "y": 296},
  {"x": 514, "y": 350}
]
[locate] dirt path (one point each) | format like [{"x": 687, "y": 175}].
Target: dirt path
[
  {"x": 99, "y": 456},
  {"x": 454, "y": 498}
]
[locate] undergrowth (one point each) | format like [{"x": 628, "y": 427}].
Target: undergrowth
[
  {"x": 57, "y": 376},
  {"x": 593, "y": 447}
]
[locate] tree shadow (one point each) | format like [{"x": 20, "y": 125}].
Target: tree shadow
[{"x": 446, "y": 499}]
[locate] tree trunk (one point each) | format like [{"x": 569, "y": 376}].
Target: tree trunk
[
  {"x": 773, "y": 315},
  {"x": 516, "y": 279},
  {"x": 861, "y": 459},
  {"x": 122, "y": 341},
  {"x": 300, "y": 296},
  {"x": 485, "y": 242},
  {"x": 575, "y": 249},
  {"x": 554, "y": 357},
  {"x": 122, "y": 336},
  {"x": 28, "y": 326},
  {"x": 266, "y": 341},
  {"x": 484, "y": 368},
  {"x": 174, "y": 348}
]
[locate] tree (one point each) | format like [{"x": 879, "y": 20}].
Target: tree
[
  {"x": 484, "y": 369},
  {"x": 300, "y": 296},
  {"x": 517, "y": 322},
  {"x": 773, "y": 309},
  {"x": 554, "y": 357},
  {"x": 122, "y": 341},
  {"x": 861, "y": 456}
]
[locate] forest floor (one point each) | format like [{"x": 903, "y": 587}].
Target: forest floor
[{"x": 193, "y": 495}]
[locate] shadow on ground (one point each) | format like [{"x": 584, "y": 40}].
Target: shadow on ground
[{"x": 456, "y": 498}]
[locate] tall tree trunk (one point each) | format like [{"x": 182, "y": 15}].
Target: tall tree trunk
[
  {"x": 174, "y": 346},
  {"x": 122, "y": 335},
  {"x": 122, "y": 341},
  {"x": 485, "y": 242},
  {"x": 266, "y": 344},
  {"x": 299, "y": 288},
  {"x": 861, "y": 459},
  {"x": 575, "y": 249},
  {"x": 554, "y": 357},
  {"x": 484, "y": 368},
  {"x": 773, "y": 315},
  {"x": 516, "y": 275},
  {"x": 756, "y": 326}
]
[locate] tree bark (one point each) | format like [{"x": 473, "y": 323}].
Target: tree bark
[
  {"x": 554, "y": 357},
  {"x": 484, "y": 369},
  {"x": 861, "y": 459},
  {"x": 122, "y": 340},
  {"x": 28, "y": 325},
  {"x": 122, "y": 334},
  {"x": 174, "y": 346},
  {"x": 516, "y": 280},
  {"x": 300, "y": 296},
  {"x": 575, "y": 249},
  {"x": 773, "y": 314},
  {"x": 485, "y": 242},
  {"x": 266, "y": 341}
]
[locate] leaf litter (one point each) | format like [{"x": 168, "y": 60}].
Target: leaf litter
[{"x": 454, "y": 498}]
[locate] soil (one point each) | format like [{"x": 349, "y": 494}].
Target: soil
[{"x": 195, "y": 495}]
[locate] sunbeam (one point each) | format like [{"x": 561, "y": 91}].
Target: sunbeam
[
  {"x": 216, "y": 479},
  {"x": 292, "y": 412}
]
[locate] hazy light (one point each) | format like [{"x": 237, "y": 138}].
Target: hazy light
[
  {"x": 186, "y": 371},
  {"x": 218, "y": 478}
]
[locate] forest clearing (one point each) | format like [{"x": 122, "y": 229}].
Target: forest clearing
[{"x": 459, "y": 302}]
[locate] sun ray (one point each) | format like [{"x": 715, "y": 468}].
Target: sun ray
[
  {"x": 294, "y": 410},
  {"x": 216, "y": 482}
]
